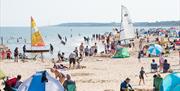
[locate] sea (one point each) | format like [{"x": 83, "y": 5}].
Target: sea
[{"x": 50, "y": 36}]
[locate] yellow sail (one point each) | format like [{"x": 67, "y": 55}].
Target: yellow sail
[{"x": 37, "y": 39}]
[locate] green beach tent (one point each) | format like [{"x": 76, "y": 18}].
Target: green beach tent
[
  {"x": 121, "y": 53},
  {"x": 2, "y": 75}
]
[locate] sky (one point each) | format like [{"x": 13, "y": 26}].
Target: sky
[{"x": 53, "y": 12}]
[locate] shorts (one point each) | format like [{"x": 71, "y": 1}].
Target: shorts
[
  {"x": 95, "y": 51},
  {"x": 72, "y": 60},
  {"x": 86, "y": 53},
  {"x": 141, "y": 77}
]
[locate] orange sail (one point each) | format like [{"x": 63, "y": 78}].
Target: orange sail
[{"x": 37, "y": 39}]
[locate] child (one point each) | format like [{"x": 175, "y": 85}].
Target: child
[{"x": 141, "y": 75}]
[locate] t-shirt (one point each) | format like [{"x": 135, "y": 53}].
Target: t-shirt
[
  {"x": 11, "y": 82},
  {"x": 72, "y": 55},
  {"x": 125, "y": 85}
]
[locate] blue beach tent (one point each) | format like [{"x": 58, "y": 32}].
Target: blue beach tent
[
  {"x": 171, "y": 82},
  {"x": 41, "y": 81}
]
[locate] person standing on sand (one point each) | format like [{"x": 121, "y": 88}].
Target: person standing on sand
[
  {"x": 141, "y": 75},
  {"x": 161, "y": 62},
  {"x": 16, "y": 53},
  {"x": 51, "y": 49},
  {"x": 24, "y": 50},
  {"x": 96, "y": 49},
  {"x": 139, "y": 56},
  {"x": 81, "y": 49},
  {"x": 8, "y": 54},
  {"x": 76, "y": 51},
  {"x": 86, "y": 51},
  {"x": 3, "y": 54},
  {"x": 72, "y": 59}
]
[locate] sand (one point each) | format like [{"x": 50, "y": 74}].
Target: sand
[{"x": 100, "y": 74}]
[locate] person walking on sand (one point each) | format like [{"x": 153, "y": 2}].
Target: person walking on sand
[
  {"x": 141, "y": 75},
  {"x": 16, "y": 53}
]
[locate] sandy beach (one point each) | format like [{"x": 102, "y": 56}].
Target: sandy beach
[{"x": 100, "y": 74}]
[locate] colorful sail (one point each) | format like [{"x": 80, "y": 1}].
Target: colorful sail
[
  {"x": 37, "y": 39},
  {"x": 127, "y": 29}
]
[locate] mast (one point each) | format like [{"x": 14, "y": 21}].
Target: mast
[
  {"x": 31, "y": 32},
  {"x": 121, "y": 18}
]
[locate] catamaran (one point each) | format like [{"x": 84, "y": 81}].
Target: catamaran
[
  {"x": 37, "y": 43},
  {"x": 127, "y": 31}
]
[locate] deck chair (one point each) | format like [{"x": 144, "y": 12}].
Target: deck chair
[{"x": 71, "y": 87}]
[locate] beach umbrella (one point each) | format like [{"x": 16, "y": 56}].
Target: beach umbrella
[
  {"x": 155, "y": 49},
  {"x": 171, "y": 82},
  {"x": 41, "y": 81},
  {"x": 2, "y": 75}
]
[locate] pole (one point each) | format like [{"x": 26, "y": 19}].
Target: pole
[
  {"x": 179, "y": 57},
  {"x": 31, "y": 31}
]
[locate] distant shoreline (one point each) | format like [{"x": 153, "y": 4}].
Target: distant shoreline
[
  {"x": 136, "y": 24},
  {"x": 112, "y": 24}
]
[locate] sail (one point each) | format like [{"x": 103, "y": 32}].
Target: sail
[
  {"x": 126, "y": 31},
  {"x": 37, "y": 39}
]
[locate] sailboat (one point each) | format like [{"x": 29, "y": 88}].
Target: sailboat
[
  {"x": 127, "y": 31},
  {"x": 37, "y": 43}
]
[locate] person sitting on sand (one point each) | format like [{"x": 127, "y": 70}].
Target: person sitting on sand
[
  {"x": 12, "y": 83},
  {"x": 69, "y": 84},
  {"x": 141, "y": 75},
  {"x": 166, "y": 66},
  {"x": 125, "y": 86},
  {"x": 61, "y": 66},
  {"x": 62, "y": 57},
  {"x": 154, "y": 66},
  {"x": 59, "y": 56}
]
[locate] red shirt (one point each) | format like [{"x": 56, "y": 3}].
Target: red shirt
[{"x": 11, "y": 82}]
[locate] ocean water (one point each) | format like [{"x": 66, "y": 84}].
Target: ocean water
[{"x": 50, "y": 35}]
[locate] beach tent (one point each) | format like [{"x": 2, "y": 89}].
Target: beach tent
[
  {"x": 41, "y": 81},
  {"x": 121, "y": 53},
  {"x": 171, "y": 82},
  {"x": 2, "y": 75}
]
